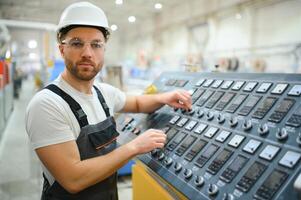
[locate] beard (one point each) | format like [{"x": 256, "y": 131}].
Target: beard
[{"x": 83, "y": 73}]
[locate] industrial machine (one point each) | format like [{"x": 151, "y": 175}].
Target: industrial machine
[{"x": 241, "y": 140}]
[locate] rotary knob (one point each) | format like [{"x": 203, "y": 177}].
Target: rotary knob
[
  {"x": 154, "y": 152},
  {"x": 168, "y": 161},
  {"x": 299, "y": 139},
  {"x": 247, "y": 125},
  {"x": 212, "y": 189},
  {"x": 191, "y": 112},
  {"x": 263, "y": 129},
  {"x": 220, "y": 118},
  {"x": 199, "y": 181},
  {"x": 209, "y": 116},
  {"x": 178, "y": 167},
  {"x": 233, "y": 121},
  {"x": 161, "y": 155},
  {"x": 228, "y": 196},
  {"x": 187, "y": 173},
  {"x": 200, "y": 113},
  {"x": 281, "y": 134}
]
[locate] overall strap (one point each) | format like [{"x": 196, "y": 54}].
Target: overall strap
[
  {"x": 75, "y": 107},
  {"x": 102, "y": 101}
]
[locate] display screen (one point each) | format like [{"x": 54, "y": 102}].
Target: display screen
[
  {"x": 205, "y": 97},
  {"x": 240, "y": 99},
  {"x": 195, "y": 149},
  {"x": 223, "y": 156},
  {"x": 214, "y": 99},
  {"x": 170, "y": 134},
  {"x": 179, "y": 138},
  {"x": 237, "y": 163},
  {"x": 285, "y": 105},
  {"x": 252, "y": 101},
  {"x": 275, "y": 180},
  {"x": 197, "y": 94},
  {"x": 255, "y": 170},
  {"x": 267, "y": 103},
  {"x": 210, "y": 151},
  {"x": 227, "y": 97},
  {"x": 298, "y": 111},
  {"x": 188, "y": 141}
]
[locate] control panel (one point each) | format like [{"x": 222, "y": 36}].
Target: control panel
[{"x": 241, "y": 140}]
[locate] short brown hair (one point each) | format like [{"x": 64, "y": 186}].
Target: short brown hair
[{"x": 63, "y": 32}]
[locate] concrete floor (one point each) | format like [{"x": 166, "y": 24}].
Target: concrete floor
[{"x": 20, "y": 172}]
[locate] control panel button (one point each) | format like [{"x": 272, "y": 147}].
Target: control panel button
[
  {"x": 212, "y": 189},
  {"x": 181, "y": 83},
  {"x": 161, "y": 155},
  {"x": 182, "y": 122},
  {"x": 190, "y": 125},
  {"x": 290, "y": 159},
  {"x": 170, "y": 82},
  {"x": 236, "y": 140},
  {"x": 217, "y": 83},
  {"x": 200, "y": 82},
  {"x": 199, "y": 181},
  {"x": 280, "y": 88},
  {"x": 174, "y": 119},
  {"x": 264, "y": 87},
  {"x": 223, "y": 136},
  {"x": 252, "y": 146},
  {"x": 269, "y": 152},
  {"x": 227, "y": 84},
  {"x": 200, "y": 128},
  {"x": 211, "y": 132},
  {"x": 208, "y": 83},
  {"x": 250, "y": 86},
  {"x": 238, "y": 85},
  {"x": 295, "y": 91}
]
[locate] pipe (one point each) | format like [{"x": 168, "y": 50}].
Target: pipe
[{"x": 29, "y": 24}]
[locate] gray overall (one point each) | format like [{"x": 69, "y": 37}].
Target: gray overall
[{"x": 93, "y": 140}]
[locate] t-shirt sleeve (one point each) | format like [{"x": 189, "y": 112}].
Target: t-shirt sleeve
[
  {"x": 114, "y": 97},
  {"x": 45, "y": 121}
]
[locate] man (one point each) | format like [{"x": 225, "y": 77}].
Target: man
[{"x": 70, "y": 122}]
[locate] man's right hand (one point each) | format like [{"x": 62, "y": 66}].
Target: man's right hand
[{"x": 149, "y": 140}]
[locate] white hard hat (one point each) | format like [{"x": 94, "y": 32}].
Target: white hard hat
[{"x": 83, "y": 13}]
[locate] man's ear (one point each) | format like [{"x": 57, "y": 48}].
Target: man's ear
[{"x": 62, "y": 50}]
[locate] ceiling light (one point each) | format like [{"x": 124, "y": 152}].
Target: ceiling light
[
  {"x": 114, "y": 27},
  {"x": 119, "y": 2},
  {"x": 32, "y": 44},
  {"x": 158, "y": 6},
  {"x": 238, "y": 16},
  {"x": 7, "y": 54},
  {"x": 132, "y": 19}
]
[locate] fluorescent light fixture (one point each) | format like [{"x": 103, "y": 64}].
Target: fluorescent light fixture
[
  {"x": 119, "y": 2},
  {"x": 132, "y": 19},
  {"x": 238, "y": 16},
  {"x": 32, "y": 44},
  {"x": 158, "y": 6},
  {"x": 114, "y": 27}
]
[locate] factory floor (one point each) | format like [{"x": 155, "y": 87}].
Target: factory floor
[{"x": 20, "y": 172}]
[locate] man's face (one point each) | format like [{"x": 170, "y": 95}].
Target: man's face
[{"x": 83, "y": 52}]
